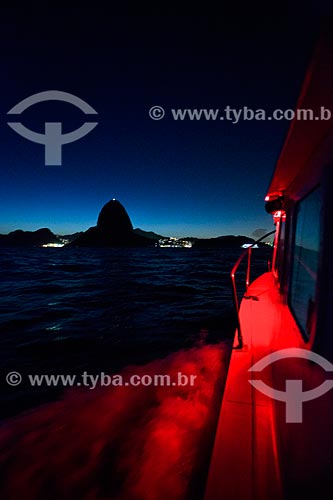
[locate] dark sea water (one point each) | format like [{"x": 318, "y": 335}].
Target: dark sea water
[
  {"x": 152, "y": 311},
  {"x": 68, "y": 310}
]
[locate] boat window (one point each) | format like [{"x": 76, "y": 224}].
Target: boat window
[{"x": 305, "y": 261}]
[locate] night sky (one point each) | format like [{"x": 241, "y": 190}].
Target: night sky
[{"x": 185, "y": 178}]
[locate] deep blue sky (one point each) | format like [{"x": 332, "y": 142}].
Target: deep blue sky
[{"x": 176, "y": 178}]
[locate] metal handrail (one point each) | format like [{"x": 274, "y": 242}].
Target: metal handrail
[{"x": 247, "y": 252}]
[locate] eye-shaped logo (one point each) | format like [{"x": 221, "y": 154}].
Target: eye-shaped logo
[
  {"x": 293, "y": 396},
  {"x": 53, "y": 139}
]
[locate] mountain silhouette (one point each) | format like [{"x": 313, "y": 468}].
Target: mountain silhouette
[
  {"x": 114, "y": 229},
  {"x": 149, "y": 234},
  {"x": 21, "y": 238}
]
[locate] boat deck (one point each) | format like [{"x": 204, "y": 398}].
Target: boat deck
[{"x": 244, "y": 462}]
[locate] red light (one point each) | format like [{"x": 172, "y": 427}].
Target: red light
[
  {"x": 174, "y": 423},
  {"x": 267, "y": 198},
  {"x": 276, "y": 216}
]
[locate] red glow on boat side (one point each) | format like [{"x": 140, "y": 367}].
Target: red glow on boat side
[{"x": 117, "y": 442}]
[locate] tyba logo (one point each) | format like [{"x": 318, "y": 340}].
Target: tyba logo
[
  {"x": 293, "y": 396},
  {"x": 53, "y": 138}
]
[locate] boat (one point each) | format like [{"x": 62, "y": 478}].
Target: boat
[
  {"x": 247, "y": 245},
  {"x": 274, "y": 438}
]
